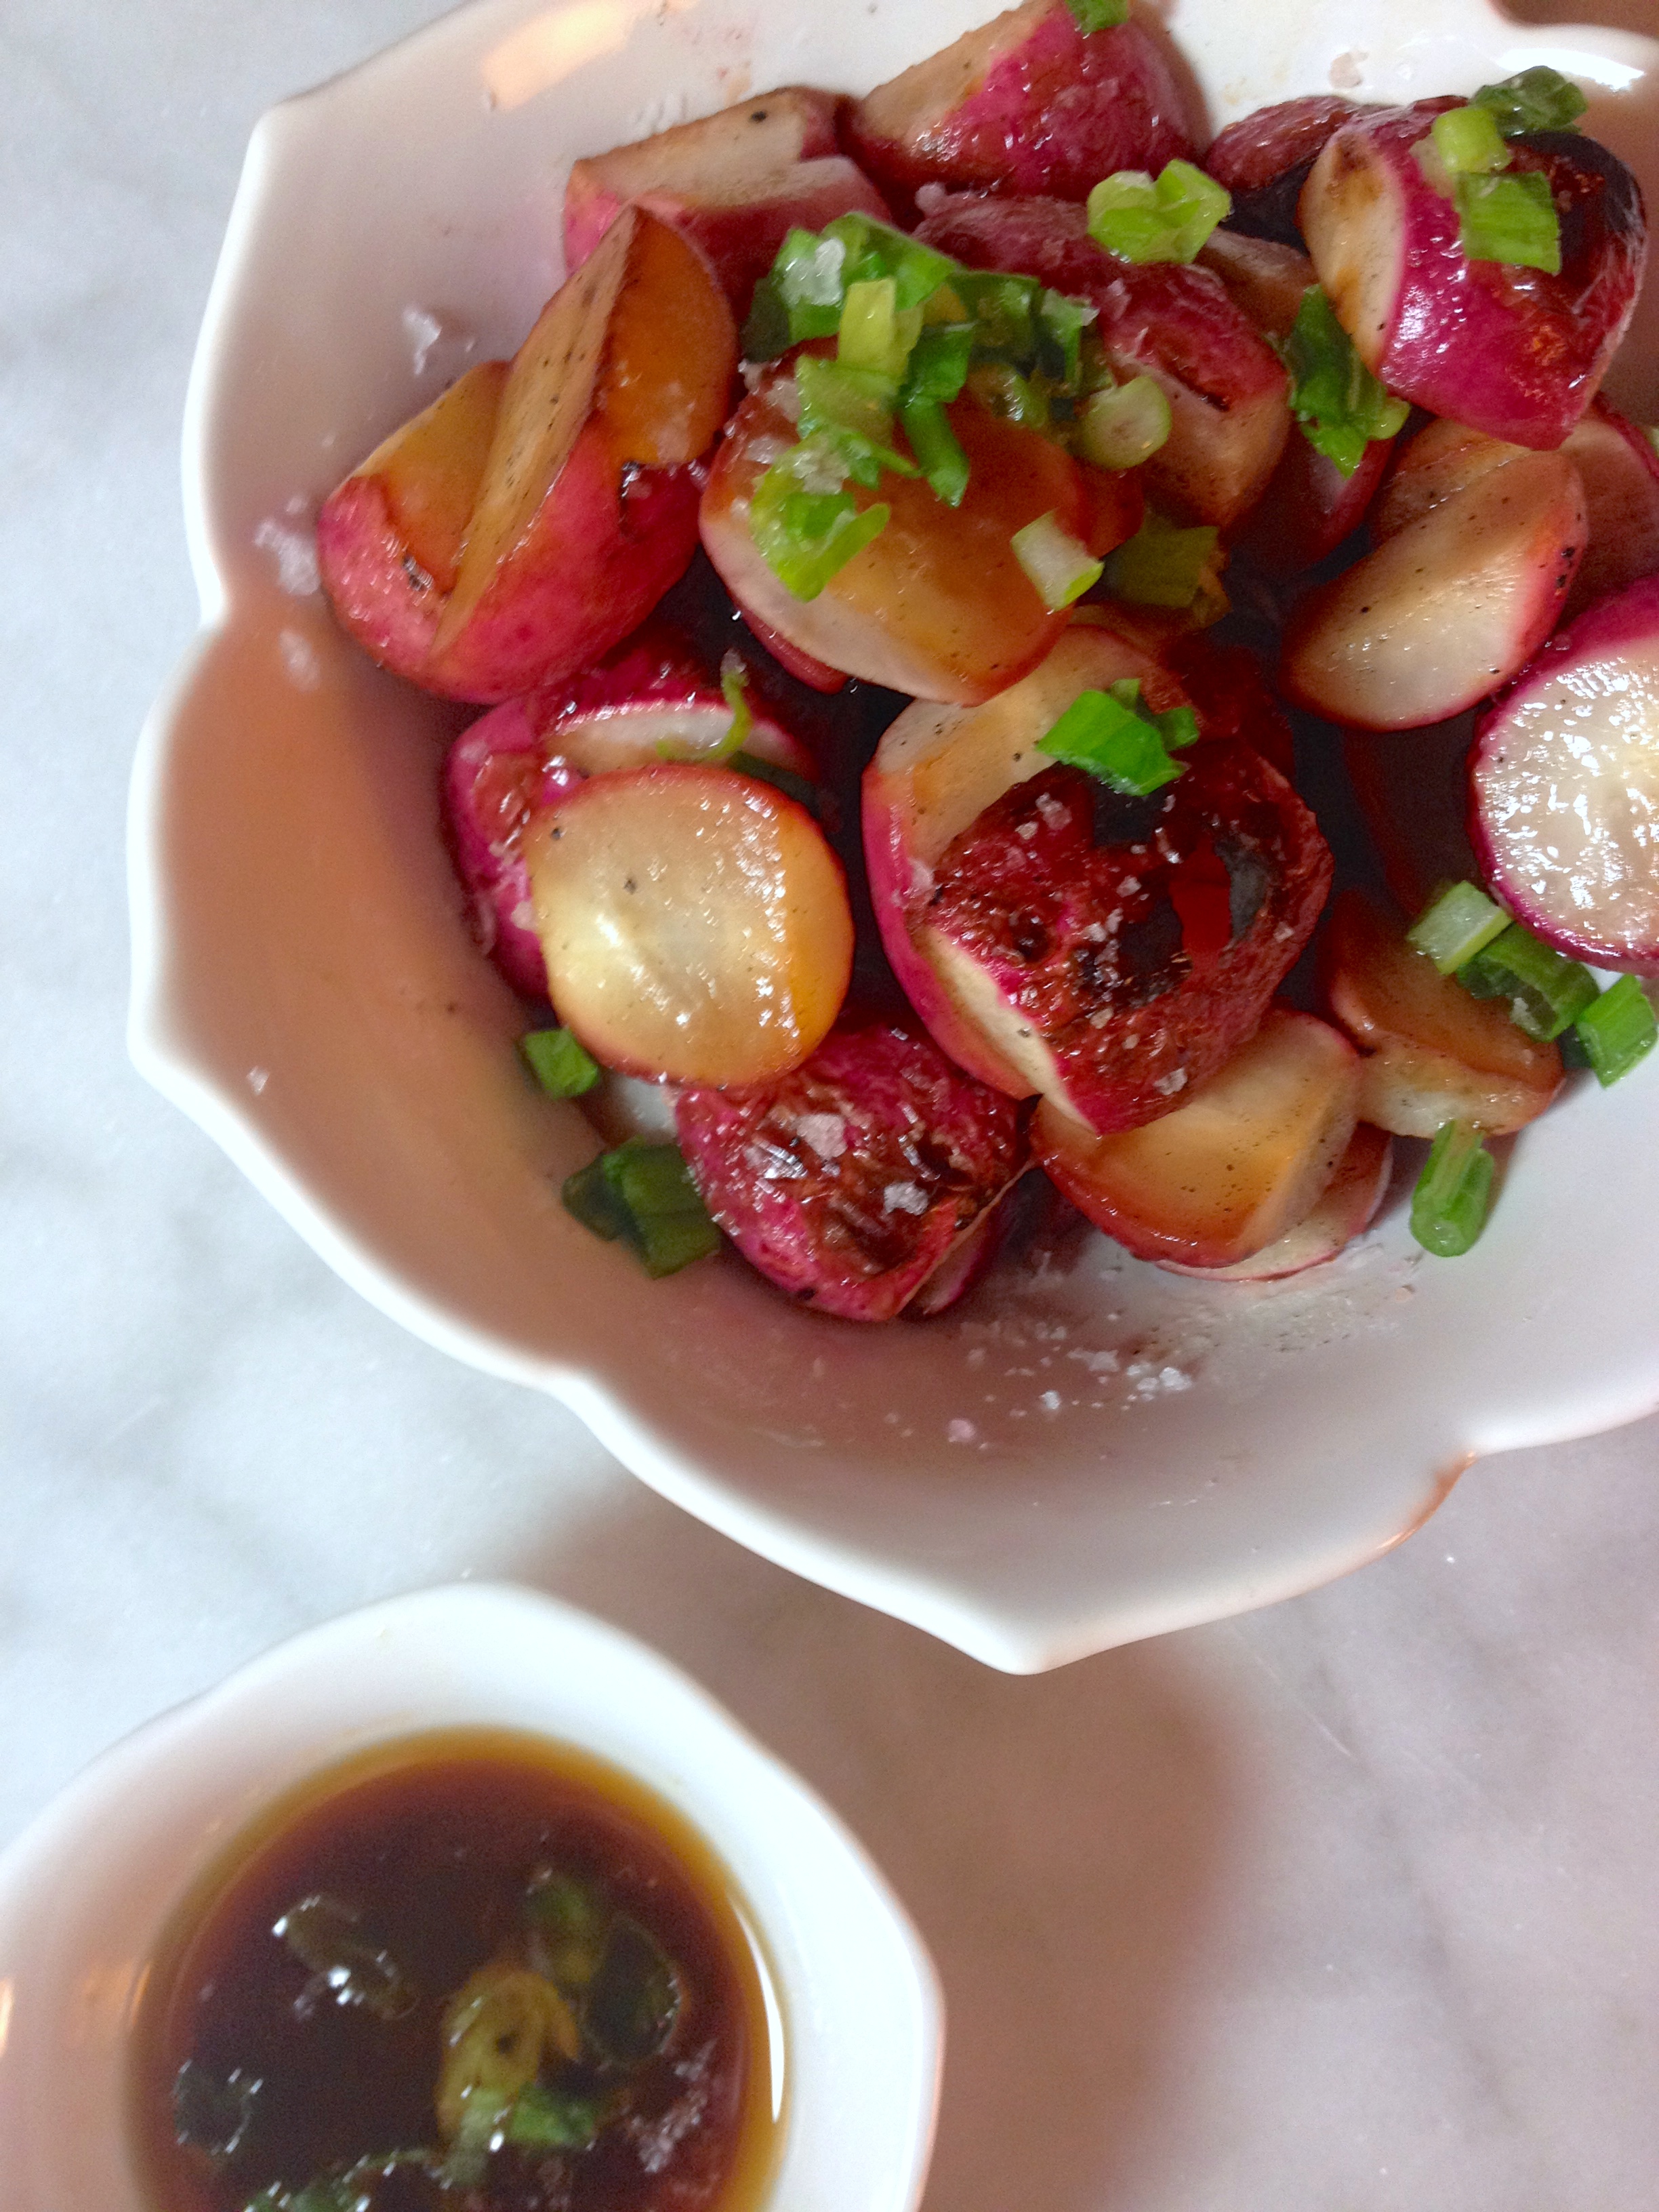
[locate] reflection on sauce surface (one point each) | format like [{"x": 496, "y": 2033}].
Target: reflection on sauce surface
[{"x": 470, "y": 1972}]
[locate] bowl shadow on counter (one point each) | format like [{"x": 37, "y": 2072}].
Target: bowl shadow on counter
[{"x": 1061, "y": 1841}]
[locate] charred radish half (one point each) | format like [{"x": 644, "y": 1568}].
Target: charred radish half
[
  {"x": 1245, "y": 1160},
  {"x": 1059, "y": 935},
  {"x": 1564, "y": 787},
  {"x": 1343, "y": 1210},
  {"x": 694, "y": 922},
  {"x": 1433, "y": 1053},
  {"x": 855, "y": 1182}
]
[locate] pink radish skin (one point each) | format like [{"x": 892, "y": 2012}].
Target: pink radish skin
[
  {"x": 1226, "y": 387},
  {"x": 1564, "y": 787},
  {"x": 1514, "y": 352},
  {"x": 1444, "y": 612},
  {"x": 1026, "y": 103},
  {"x": 855, "y": 1179},
  {"x": 1345, "y": 1210},
  {"x": 1621, "y": 474},
  {"x": 722, "y": 157}
]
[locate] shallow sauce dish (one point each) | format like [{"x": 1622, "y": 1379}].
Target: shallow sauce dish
[
  {"x": 91, "y": 1895},
  {"x": 1087, "y": 1450}
]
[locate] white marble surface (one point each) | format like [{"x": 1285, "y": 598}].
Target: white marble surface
[{"x": 1347, "y": 1907}]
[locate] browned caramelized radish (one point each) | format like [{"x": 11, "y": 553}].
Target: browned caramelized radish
[
  {"x": 1227, "y": 1174},
  {"x": 694, "y": 922},
  {"x": 1345, "y": 1209},
  {"x": 1434, "y": 1053}
]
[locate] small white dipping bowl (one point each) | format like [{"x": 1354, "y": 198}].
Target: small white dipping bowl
[{"x": 86, "y": 1891}]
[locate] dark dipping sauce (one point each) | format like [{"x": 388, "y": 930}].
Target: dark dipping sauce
[{"x": 504, "y": 1962}]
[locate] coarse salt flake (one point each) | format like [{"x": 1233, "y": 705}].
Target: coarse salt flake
[
  {"x": 904, "y": 1198},
  {"x": 826, "y": 1132}
]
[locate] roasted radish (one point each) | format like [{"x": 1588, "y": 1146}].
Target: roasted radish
[
  {"x": 1264, "y": 158},
  {"x": 694, "y": 922},
  {"x": 1444, "y": 612},
  {"x": 1343, "y": 1210},
  {"x": 1516, "y": 351},
  {"x": 1027, "y": 103},
  {"x": 1619, "y": 471},
  {"x": 855, "y": 1180},
  {"x": 1242, "y": 1162},
  {"x": 1564, "y": 787},
  {"x": 1434, "y": 1053}
]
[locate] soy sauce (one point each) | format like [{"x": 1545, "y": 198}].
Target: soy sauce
[{"x": 265, "y": 2067}]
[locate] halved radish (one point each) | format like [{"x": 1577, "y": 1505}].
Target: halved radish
[
  {"x": 1444, "y": 612},
  {"x": 1346, "y": 1207},
  {"x": 695, "y": 923},
  {"x": 1227, "y": 1174},
  {"x": 862, "y": 1178},
  {"x": 1564, "y": 787},
  {"x": 1434, "y": 1052},
  {"x": 1620, "y": 473},
  {"x": 1441, "y": 460}
]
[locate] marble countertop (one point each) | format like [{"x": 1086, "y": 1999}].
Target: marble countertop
[{"x": 1351, "y": 1903}]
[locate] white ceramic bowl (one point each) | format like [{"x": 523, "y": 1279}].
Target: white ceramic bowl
[
  {"x": 1076, "y": 1459},
  {"x": 86, "y": 1891}
]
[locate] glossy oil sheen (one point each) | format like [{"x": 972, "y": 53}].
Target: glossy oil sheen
[{"x": 434, "y": 1839}]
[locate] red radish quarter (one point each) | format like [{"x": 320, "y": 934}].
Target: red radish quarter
[
  {"x": 1345, "y": 1209},
  {"x": 1433, "y": 1052},
  {"x": 725, "y": 157},
  {"x": 695, "y": 923},
  {"x": 1619, "y": 471},
  {"x": 1444, "y": 612},
  {"x": 1026, "y": 103},
  {"x": 1242, "y": 1162},
  {"x": 1564, "y": 787},
  {"x": 852, "y": 1182},
  {"x": 1515, "y": 352},
  {"x": 1264, "y": 158},
  {"x": 1229, "y": 416}
]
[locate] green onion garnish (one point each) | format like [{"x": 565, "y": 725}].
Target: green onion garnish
[
  {"x": 642, "y": 1195},
  {"x": 1124, "y": 424},
  {"x": 1110, "y": 734},
  {"x": 553, "y": 2119},
  {"x": 938, "y": 363},
  {"x": 1003, "y": 309},
  {"x": 1455, "y": 925},
  {"x": 1098, "y": 15},
  {"x": 1511, "y": 219},
  {"x": 1469, "y": 141},
  {"x": 734, "y": 689},
  {"x": 1333, "y": 395},
  {"x": 1538, "y": 99},
  {"x": 806, "y": 533},
  {"x": 1546, "y": 990},
  {"x": 1002, "y": 391},
  {"x": 1615, "y": 1032},
  {"x": 558, "y": 1063},
  {"x": 876, "y": 249},
  {"x": 1060, "y": 324},
  {"x": 937, "y": 448},
  {"x": 1161, "y": 565},
  {"x": 784, "y": 779},
  {"x": 1061, "y": 568},
  {"x": 849, "y": 410},
  {"x": 809, "y": 280},
  {"x": 875, "y": 333},
  {"x": 1169, "y": 219},
  {"x": 1453, "y": 1192}
]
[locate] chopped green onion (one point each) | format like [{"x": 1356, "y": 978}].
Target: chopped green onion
[
  {"x": 1002, "y": 391},
  {"x": 1455, "y": 925},
  {"x": 211, "y": 2114},
  {"x": 1060, "y": 324},
  {"x": 1060, "y": 567},
  {"x": 642, "y": 1194},
  {"x": 938, "y": 363},
  {"x": 1098, "y": 15},
  {"x": 734, "y": 689},
  {"x": 558, "y": 1062},
  {"x": 1170, "y": 220},
  {"x": 937, "y": 448},
  {"x": 874, "y": 332},
  {"x": 325, "y": 1935},
  {"x": 569, "y": 1924},
  {"x": 1511, "y": 219},
  {"x": 1616, "y": 1031},
  {"x": 1453, "y": 1192},
  {"x": 1161, "y": 565},
  {"x": 874, "y": 250},
  {"x": 809, "y": 279},
  {"x": 766, "y": 331},
  {"x": 1469, "y": 141},
  {"x": 1110, "y": 735},
  {"x": 784, "y": 779},
  {"x": 1123, "y": 425},
  {"x": 1538, "y": 99},
  {"x": 805, "y": 533},
  {"x": 1546, "y": 990},
  {"x": 849, "y": 411},
  {"x": 635, "y": 1997},
  {"x": 553, "y": 2119},
  {"x": 1003, "y": 309},
  {"x": 1333, "y": 395}
]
